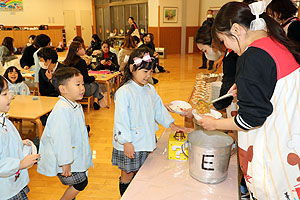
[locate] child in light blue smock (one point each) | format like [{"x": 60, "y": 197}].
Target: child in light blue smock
[
  {"x": 16, "y": 85},
  {"x": 13, "y": 166},
  {"x": 64, "y": 147},
  {"x": 138, "y": 109}
]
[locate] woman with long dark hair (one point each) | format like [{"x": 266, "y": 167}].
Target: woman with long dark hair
[
  {"x": 7, "y": 50},
  {"x": 284, "y": 12},
  {"x": 95, "y": 43},
  {"x": 133, "y": 31},
  {"x": 74, "y": 59},
  {"x": 267, "y": 86}
]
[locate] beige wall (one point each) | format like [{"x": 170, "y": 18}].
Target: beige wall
[
  {"x": 171, "y": 3},
  {"x": 167, "y": 33},
  {"x": 77, "y": 5},
  {"x": 192, "y": 13},
  {"x": 153, "y": 12},
  {"x": 210, "y": 4},
  {"x": 195, "y": 11},
  {"x": 50, "y": 12}
]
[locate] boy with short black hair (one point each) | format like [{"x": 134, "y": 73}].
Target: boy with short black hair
[
  {"x": 64, "y": 148},
  {"x": 48, "y": 62}
]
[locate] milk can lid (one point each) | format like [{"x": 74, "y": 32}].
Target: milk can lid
[{"x": 214, "y": 139}]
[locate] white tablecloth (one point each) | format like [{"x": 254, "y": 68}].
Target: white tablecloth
[{"x": 161, "y": 179}]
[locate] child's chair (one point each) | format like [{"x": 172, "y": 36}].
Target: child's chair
[
  {"x": 87, "y": 101},
  {"x": 33, "y": 87}
]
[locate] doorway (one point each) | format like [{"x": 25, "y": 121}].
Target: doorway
[
  {"x": 86, "y": 26},
  {"x": 70, "y": 24}
]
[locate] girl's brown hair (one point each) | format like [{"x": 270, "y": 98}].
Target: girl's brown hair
[
  {"x": 8, "y": 42},
  {"x": 72, "y": 58},
  {"x": 128, "y": 42}
]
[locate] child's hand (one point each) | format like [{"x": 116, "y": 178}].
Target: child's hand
[
  {"x": 29, "y": 161},
  {"x": 175, "y": 127},
  {"x": 66, "y": 170},
  {"x": 26, "y": 142},
  {"x": 208, "y": 122},
  {"x": 129, "y": 150}
]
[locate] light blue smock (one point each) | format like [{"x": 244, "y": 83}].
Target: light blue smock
[
  {"x": 11, "y": 154},
  {"x": 137, "y": 111},
  {"x": 18, "y": 88},
  {"x": 65, "y": 140}
]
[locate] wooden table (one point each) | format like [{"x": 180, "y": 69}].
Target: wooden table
[
  {"x": 160, "y": 178},
  {"x": 28, "y": 74},
  {"x": 104, "y": 79},
  {"x": 23, "y": 107}
]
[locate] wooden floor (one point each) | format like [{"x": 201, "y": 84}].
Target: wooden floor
[{"x": 103, "y": 178}]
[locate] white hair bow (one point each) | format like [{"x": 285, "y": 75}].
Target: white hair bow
[
  {"x": 138, "y": 61},
  {"x": 257, "y": 8}
]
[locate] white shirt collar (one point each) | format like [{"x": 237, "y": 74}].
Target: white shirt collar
[
  {"x": 138, "y": 86},
  {"x": 3, "y": 120},
  {"x": 74, "y": 105}
]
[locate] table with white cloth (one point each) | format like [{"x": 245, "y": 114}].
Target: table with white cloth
[{"x": 160, "y": 178}]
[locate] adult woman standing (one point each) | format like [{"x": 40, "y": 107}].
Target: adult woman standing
[
  {"x": 133, "y": 31},
  {"x": 267, "y": 83}
]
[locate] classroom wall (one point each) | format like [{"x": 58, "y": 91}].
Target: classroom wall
[
  {"x": 153, "y": 13},
  {"x": 49, "y": 12},
  {"x": 168, "y": 35},
  {"x": 210, "y": 4},
  {"x": 192, "y": 12}
]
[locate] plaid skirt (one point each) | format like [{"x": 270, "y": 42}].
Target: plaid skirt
[
  {"x": 22, "y": 195},
  {"x": 75, "y": 178},
  {"x": 126, "y": 164}
]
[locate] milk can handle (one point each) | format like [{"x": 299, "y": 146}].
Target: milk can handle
[{"x": 182, "y": 149}]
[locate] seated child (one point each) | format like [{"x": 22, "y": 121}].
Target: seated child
[
  {"x": 64, "y": 147},
  {"x": 13, "y": 166},
  {"x": 16, "y": 86}
]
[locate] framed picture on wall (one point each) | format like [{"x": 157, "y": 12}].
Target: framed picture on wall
[{"x": 170, "y": 15}]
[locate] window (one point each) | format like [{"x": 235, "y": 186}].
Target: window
[{"x": 114, "y": 16}]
